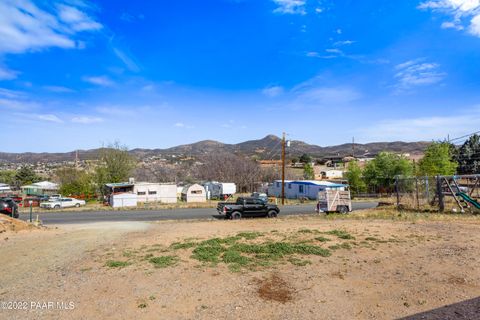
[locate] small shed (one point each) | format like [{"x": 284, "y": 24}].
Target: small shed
[
  {"x": 120, "y": 200},
  {"x": 194, "y": 193}
]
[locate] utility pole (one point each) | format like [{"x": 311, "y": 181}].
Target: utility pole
[
  {"x": 283, "y": 169},
  {"x": 353, "y": 147}
]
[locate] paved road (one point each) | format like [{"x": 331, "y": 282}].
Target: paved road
[{"x": 72, "y": 217}]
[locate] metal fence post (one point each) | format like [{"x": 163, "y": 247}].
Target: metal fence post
[
  {"x": 417, "y": 195},
  {"x": 397, "y": 191},
  {"x": 441, "y": 204}
]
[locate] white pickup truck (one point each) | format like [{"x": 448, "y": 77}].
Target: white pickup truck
[{"x": 62, "y": 203}]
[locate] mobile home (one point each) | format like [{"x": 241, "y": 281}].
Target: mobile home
[
  {"x": 219, "y": 190},
  {"x": 295, "y": 189}
]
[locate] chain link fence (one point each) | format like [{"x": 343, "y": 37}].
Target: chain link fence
[{"x": 439, "y": 194}]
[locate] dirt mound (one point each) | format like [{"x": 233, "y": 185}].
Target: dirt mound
[
  {"x": 9, "y": 224},
  {"x": 275, "y": 288}
]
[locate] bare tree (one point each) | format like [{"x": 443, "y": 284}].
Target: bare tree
[{"x": 226, "y": 167}]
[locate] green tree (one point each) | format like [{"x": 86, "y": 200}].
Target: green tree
[
  {"x": 380, "y": 173},
  {"x": 26, "y": 176},
  {"x": 75, "y": 182},
  {"x": 468, "y": 156},
  {"x": 354, "y": 176},
  {"x": 438, "y": 160},
  {"x": 8, "y": 176},
  {"x": 308, "y": 172},
  {"x": 305, "y": 158},
  {"x": 116, "y": 165}
]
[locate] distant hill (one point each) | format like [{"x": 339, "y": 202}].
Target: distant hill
[{"x": 267, "y": 148}]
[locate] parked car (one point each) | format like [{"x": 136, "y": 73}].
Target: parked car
[
  {"x": 9, "y": 207},
  {"x": 247, "y": 207},
  {"x": 261, "y": 196},
  {"x": 17, "y": 199},
  {"x": 52, "y": 197},
  {"x": 62, "y": 203}
]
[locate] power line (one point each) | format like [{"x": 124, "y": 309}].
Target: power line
[{"x": 465, "y": 136}]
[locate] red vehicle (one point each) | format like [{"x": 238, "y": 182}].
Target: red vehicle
[{"x": 18, "y": 200}]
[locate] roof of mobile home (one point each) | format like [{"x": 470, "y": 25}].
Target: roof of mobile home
[{"x": 314, "y": 183}]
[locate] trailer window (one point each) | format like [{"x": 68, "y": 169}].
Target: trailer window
[{"x": 300, "y": 188}]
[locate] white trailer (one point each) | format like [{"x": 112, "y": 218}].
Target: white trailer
[
  {"x": 334, "y": 201},
  {"x": 218, "y": 190}
]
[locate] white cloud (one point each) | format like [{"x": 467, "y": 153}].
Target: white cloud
[
  {"x": 10, "y": 94},
  {"x": 417, "y": 73},
  {"x": 76, "y": 19},
  {"x": 336, "y": 51},
  {"x": 318, "y": 10},
  {"x": 475, "y": 26},
  {"x": 127, "y": 60},
  {"x": 422, "y": 128},
  {"x": 49, "y": 118},
  {"x": 7, "y": 74},
  {"x": 273, "y": 91},
  {"x": 58, "y": 89},
  {"x": 182, "y": 125},
  {"x": 86, "y": 120},
  {"x": 328, "y": 96},
  {"x": 103, "y": 81},
  {"x": 465, "y": 13},
  {"x": 451, "y": 25},
  {"x": 26, "y": 27},
  {"x": 343, "y": 43},
  {"x": 290, "y": 6}
]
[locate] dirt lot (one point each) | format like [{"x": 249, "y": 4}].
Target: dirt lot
[{"x": 288, "y": 268}]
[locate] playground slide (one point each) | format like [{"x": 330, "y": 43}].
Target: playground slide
[{"x": 467, "y": 198}]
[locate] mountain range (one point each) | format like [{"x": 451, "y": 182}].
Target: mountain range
[{"x": 267, "y": 148}]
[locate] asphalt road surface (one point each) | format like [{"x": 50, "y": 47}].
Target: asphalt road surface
[{"x": 72, "y": 217}]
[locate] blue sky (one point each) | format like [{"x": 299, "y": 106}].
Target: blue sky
[{"x": 154, "y": 74}]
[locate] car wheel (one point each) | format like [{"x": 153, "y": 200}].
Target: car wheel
[
  {"x": 77, "y": 205},
  {"x": 272, "y": 214},
  {"x": 56, "y": 207},
  {"x": 236, "y": 215},
  {"x": 342, "y": 209}
]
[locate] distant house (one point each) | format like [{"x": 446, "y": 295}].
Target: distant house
[
  {"x": 5, "y": 188},
  {"x": 194, "y": 193},
  {"x": 303, "y": 188},
  {"x": 40, "y": 188},
  {"x": 332, "y": 174}
]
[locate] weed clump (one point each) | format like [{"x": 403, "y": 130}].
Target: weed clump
[
  {"x": 163, "y": 261},
  {"x": 342, "y": 234},
  {"x": 117, "y": 264}
]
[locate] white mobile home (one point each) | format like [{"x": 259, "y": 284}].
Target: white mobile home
[
  {"x": 303, "y": 188},
  {"x": 194, "y": 193},
  {"x": 155, "y": 192},
  {"x": 332, "y": 174},
  {"x": 218, "y": 190}
]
